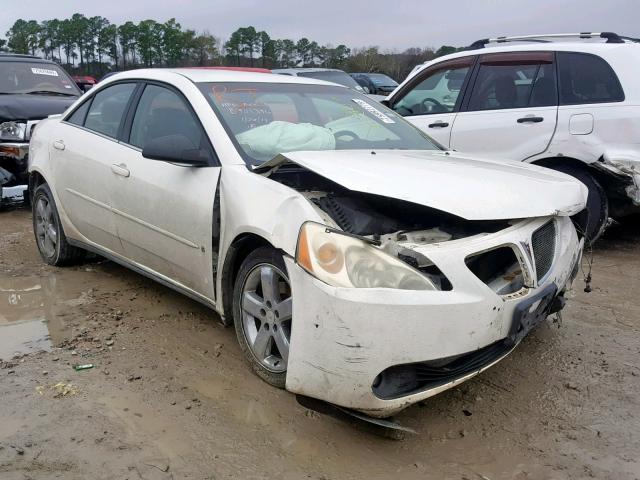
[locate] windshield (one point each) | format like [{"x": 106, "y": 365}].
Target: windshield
[
  {"x": 334, "y": 76},
  {"x": 266, "y": 119},
  {"x": 382, "y": 79},
  {"x": 28, "y": 77}
]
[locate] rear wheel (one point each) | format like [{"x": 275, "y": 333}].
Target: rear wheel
[
  {"x": 262, "y": 308},
  {"x": 50, "y": 238},
  {"x": 593, "y": 219}
]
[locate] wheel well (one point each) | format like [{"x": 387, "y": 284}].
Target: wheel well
[
  {"x": 239, "y": 249},
  {"x": 602, "y": 178},
  {"x": 35, "y": 180}
]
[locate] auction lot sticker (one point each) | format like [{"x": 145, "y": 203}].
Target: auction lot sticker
[
  {"x": 44, "y": 71},
  {"x": 373, "y": 111}
]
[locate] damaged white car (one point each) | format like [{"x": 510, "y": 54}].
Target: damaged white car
[{"x": 360, "y": 263}]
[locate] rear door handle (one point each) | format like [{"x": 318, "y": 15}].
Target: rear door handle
[
  {"x": 438, "y": 125},
  {"x": 530, "y": 119},
  {"x": 120, "y": 169},
  {"x": 58, "y": 145}
]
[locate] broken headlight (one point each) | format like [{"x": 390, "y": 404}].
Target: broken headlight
[
  {"x": 13, "y": 131},
  {"x": 345, "y": 261}
]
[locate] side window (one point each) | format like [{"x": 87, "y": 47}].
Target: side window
[
  {"x": 435, "y": 93},
  {"x": 586, "y": 78},
  {"x": 160, "y": 113},
  {"x": 78, "y": 117},
  {"x": 107, "y": 109},
  {"x": 507, "y": 85}
]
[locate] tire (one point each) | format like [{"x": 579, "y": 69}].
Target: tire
[
  {"x": 593, "y": 220},
  {"x": 262, "y": 314},
  {"x": 50, "y": 238}
]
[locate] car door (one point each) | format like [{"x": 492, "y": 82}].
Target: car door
[
  {"x": 165, "y": 211},
  {"x": 83, "y": 152},
  {"x": 432, "y": 98},
  {"x": 512, "y": 106}
]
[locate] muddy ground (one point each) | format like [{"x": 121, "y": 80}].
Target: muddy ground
[{"x": 170, "y": 396}]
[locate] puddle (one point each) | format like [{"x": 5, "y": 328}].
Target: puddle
[{"x": 34, "y": 311}]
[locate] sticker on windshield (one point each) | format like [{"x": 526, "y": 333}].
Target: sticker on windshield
[
  {"x": 373, "y": 111},
  {"x": 44, "y": 71}
]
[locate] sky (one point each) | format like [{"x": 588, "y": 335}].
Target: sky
[{"x": 390, "y": 25}]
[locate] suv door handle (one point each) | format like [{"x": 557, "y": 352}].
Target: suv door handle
[
  {"x": 58, "y": 145},
  {"x": 530, "y": 119},
  {"x": 438, "y": 124},
  {"x": 120, "y": 169}
]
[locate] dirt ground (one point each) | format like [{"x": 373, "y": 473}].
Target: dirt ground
[{"x": 170, "y": 396}]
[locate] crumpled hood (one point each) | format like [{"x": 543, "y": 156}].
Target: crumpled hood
[
  {"x": 32, "y": 107},
  {"x": 471, "y": 188}
]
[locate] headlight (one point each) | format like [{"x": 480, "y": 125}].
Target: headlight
[
  {"x": 15, "y": 131},
  {"x": 344, "y": 261}
]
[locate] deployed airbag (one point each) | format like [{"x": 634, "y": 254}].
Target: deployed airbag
[{"x": 278, "y": 137}]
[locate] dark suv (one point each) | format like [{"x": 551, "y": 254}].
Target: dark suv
[{"x": 30, "y": 89}]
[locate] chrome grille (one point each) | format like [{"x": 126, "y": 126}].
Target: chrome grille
[{"x": 543, "y": 242}]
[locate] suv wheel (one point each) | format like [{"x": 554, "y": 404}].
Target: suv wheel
[
  {"x": 593, "y": 219},
  {"x": 50, "y": 238}
]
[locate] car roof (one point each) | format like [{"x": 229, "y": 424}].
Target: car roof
[
  {"x": 197, "y": 75},
  {"x": 586, "y": 46},
  {"x": 575, "y": 46},
  {"x": 237, "y": 69},
  {"x": 306, "y": 69},
  {"x": 16, "y": 57}
]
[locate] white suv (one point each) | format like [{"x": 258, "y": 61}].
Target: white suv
[{"x": 567, "y": 101}]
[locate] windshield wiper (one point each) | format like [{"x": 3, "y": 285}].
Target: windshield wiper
[{"x": 50, "y": 92}]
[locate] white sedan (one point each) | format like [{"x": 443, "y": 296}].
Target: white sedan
[{"x": 360, "y": 263}]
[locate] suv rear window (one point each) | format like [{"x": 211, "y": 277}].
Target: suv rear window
[
  {"x": 587, "y": 78},
  {"x": 503, "y": 86}
]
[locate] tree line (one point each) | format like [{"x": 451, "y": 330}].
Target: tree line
[{"x": 95, "y": 46}]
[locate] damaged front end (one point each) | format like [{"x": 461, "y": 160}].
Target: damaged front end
[
  {"x": 397, "y": 300},
  {"x": 13, "y": 172},
  {"x": 620, "y": 175},
  {"x": 402, "y": 229}
]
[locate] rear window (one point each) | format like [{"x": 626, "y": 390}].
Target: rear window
[
  {"x": 504, "y": 86},
  {"x": 587, "y": 78}
]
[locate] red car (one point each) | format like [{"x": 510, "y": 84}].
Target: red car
[{"x": 84, "y": 82}]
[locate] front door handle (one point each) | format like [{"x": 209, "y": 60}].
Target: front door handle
[
  {"x": 438, "y": 124},
  {"x": 58, "y": 145},
  {"x": 120, "y": 169},
  {"x": 530, "y": 119}
]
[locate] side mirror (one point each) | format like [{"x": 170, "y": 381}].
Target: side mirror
[
  {"x": 176, "y": 149},
  {"x": 386, "y": 103},
  {"x": 85, "y": 87}
]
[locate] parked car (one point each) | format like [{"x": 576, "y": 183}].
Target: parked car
[
  {"x": 327, "y": 74},
  {"x": 84, "y": 82},
  {"x": 360, "y": 263},
  {"x": 375, "y": 83},
  {"x": 30, "y": 89},
  {"x": 567, "y": 102},
  {"x": 107, "y": 75}
]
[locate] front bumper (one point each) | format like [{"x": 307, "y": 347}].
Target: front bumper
[
  {"x": 342, "y": 339},
  {"x": 14, "y": 165}
]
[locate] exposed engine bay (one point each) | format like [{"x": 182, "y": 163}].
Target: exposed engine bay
[{"x": 397, "y": 226}]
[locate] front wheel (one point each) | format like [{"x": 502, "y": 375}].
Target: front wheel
[
  {"x": 50, "y": 238},
  {"x": 262, "y": 309},
  {"x": 593, "y": 219}
]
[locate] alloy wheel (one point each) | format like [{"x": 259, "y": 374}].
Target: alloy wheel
[
  {"x": 266, "y": 316},
  {"x": 46, "y": 228}
]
